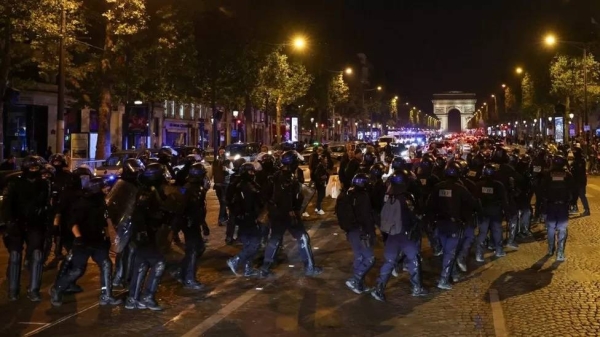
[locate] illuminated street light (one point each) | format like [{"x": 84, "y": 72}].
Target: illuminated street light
[
  {"x": 299, "y": 42},
  {"x": 503, "y": 85},
  {"x": 550, "y": 40},
  {"x": 571, "y": 115},
  {"x": 519, "y": 70},
  {"x": 395, "y": 97},
  {"x": 348, "y": 71},
  {"x": 524, "y": 122},
  {"x": 484, "y": 103},
  {"x": 549, "y": 119},
  {"x": 379, "y": 88},
  {"x": 493, "y": 96}
]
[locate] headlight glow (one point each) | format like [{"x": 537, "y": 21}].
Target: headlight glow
[
  {"x": 236, "y": 157},
  {"x": 227, "y": 154},
  {"x": 270, "y": 152}
]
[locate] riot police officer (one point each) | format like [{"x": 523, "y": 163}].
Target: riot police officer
[
  {"x": 124, "y": 260},
  {"x": 60, "y": 182},
  {"x": 149, "y": 263},
  {"x": 182, "y": 175},
  {"x": 427, "y": 181},
  {"x": 360, "y": 231},
  {"x": 511, "y": 180},
  {"x": 25, "y": 205},
  {"x": 523, "y": 199},
  {"x": 580, "y": 179},
  {"x": 367, "y": 161},
  {"x": 194, "y": 218},
  {"x": 89, "y": 225},
  {"x": 557, "y": 186},
  {"x": 539, "y": 166},
  {"x": 285, "y": 215},
  {"x": 464, "y": 245},
  {"x": 451, "y": 205},
  {"x": 165, "y": 157},
  {"x": 377, "y": 190},
  {"x": 262, "y": 177},
  {"x": 400, "y": 241},
  {"x": 229, "y": 193},
  {"x": 494, "y": 202},
  {"x": 245, "y": 207}
]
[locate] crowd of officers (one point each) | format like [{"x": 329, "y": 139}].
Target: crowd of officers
[
  {"x": 456, "y": 204},
  {"x": 46, "y": 206}
]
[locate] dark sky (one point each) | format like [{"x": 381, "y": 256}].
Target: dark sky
[{"x": 422, "y": 47}]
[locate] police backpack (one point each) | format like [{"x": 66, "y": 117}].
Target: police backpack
[
  {"x": 391, "y": 216},
  {"x": 344, "y": 209}
]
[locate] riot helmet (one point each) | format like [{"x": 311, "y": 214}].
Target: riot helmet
[
  {"x": 360, "y": 181},
  {"x": 47, "y": 172},
  {"x": 238, "y": 163},
  {"x": 153, "y": 175},
  {"x": 58, "y": 161},
  {"x": 369, "y": 159},
  {"x": 500, "y": 156},
  {"x": 376, "y": 171},
  {"x": 398, "y": 163},
  {"x": 398, "y": 183},
  {"x": 131, "y": 169},
  {"x": 490, "y": 170},
  {"x": 464, "y": 167},
  {"x": 440, "y": 161},
  {"x": 81, "y": 178},
  {"x": 197, "y": 173},
  {"x": 190, "y": 159},
  {"x": 266, "y": 160},
  {"x": 477, "y": 162},
  {"x": 31, "y": 166},
  {"x": 452, "y": 170},
  {"x": 247, "y": 171},
  {"x": 559, "y": 162},
  {"x": 165, "y": 155},
  {"x": 290, "y": 159},
  {"x": 577, "y": 152}
]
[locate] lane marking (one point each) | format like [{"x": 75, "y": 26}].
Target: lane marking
[
  {"x": 234, "y": 305},
  {"x": 60, "y": 320},
  {"x": 497, "y": 314},
  {"x": 33, "y": 323}
]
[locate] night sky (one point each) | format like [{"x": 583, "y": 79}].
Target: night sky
[{"x": 422, "y": 47}]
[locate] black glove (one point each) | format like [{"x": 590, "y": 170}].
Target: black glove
[
  {"x": 205, "y": 230},
  {"x": 78, "y": 242}
]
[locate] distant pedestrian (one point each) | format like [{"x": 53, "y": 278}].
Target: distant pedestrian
[
  {"x": 48, "y": 152},
  {"x": 9, "y": 164}
]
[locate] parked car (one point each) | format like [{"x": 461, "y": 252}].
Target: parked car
[
  {"x": 116, "y": 160},
  {"x": 248, "y": 151},
  {"x": 337, "y": 150}
]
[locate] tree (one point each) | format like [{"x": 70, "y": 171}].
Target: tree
[
  {"x": 338, "y": 92},
  {"x": 567, "y": 79},
  {"x": 510, "y": 101},
  {"x": 284, "y": 81}
]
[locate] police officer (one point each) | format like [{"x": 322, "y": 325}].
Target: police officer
[
  {"x": 352, "y": 168},
  {"x": 451, "y": 206},
  {"x": 400, "y": 242},
  {"x": 284, "y": 213},
  {"x": 368, "y": 160},
  {"x": 89, "y": 226},
  {"x": 494, "y": 202},
  {"x": 464, "y": 246},
  {"x": 124, "y": 260},
  {"x": 262, "y": 177},
  {"x": 61, "y": 181},
  {"x": 165, "y": 157},
  {"x": 578, "y": 169},
  {"x": 360, "y": 232},
  {"x": 194, "y": 218},
  {"x": 149, "y": 263},
  {"x": 182, "y": 175},
  {"x": 246, "y": 205},
  {"x": 221, "y": 171},
  {"x": 523, "y": 199},
  {"x": 539, "y": 166},
  {"x": 25, "y": 205},
  {"x": 377, "y": 190},
  {"x": 511, "y": 180},
  {"x": 234, "y": 178},
  {"x": 557, "y": 186},
  {"x": 427, "y": 179}
]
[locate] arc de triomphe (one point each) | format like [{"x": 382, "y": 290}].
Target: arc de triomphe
[{"x": 454, "y": 100}]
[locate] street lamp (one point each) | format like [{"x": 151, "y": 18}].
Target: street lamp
[
  {"x": 549, "y": 119},
  {"x": 235, "y": 113},
  {"x": 299, "y": 42},
  {"x": 379, "y": 88},
  {"x": 503, "y": 85},
  {"x": 550, "y": 40},
  {"x": 519, "y": 70},
  {"x": 348, "y": 71},
  {"x": 571, "y": 115}
]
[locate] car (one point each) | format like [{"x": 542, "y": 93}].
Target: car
[
  {"x": 115, "y": 162},
  {"x": 248, "y": 151},
  {"x": 337, "y": 150}
]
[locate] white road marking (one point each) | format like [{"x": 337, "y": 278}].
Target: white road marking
[
  {"x": 497, "y": 314},
  {"x": 237, "y": 303}
]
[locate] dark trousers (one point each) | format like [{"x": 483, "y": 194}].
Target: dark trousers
[
  {"x": 465, "y": 243},
  {"x": 16, "y": 237},
  {"x": 250, "y": 235},
  {"x": 320, "y": 195},
  {"x": 494, "y": 224},
  {"x": 394, "y": 245},
  {"x": 364, "y": 258},
  {"x": 279, "y": 225},
  {"x": 557, "y": 220},
  {"x": 581, "y": 195},
  {"x": 220, "y": 190},
  {"x": 146, "y": 257},
  {"x": 194, "y": 247},
  {"x": 80, "y": 256}
]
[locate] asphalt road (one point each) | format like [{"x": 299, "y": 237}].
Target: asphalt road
[{"x": 522, "y": 294}]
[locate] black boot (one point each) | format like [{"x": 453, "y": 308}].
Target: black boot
[
  {"x": 479, "y": 254},
  {"x": 416, "y": 281},
  {"x": 233, "y": 264},
  {"x": 309, "y": 265},
  {"x": 512, "y": 233},
  {"x": 249, "y": 270},
  {"x": 37, "y": 259},
  {"x": 133, "y": 300},
  {"x": 550, "y": 246},
  {"x": 356, "y": 284},
  {"x": 444, "y": 282},
  {"x": 14, "y": 275},
  {"x": 378, "y": 292},
  {"x": 189, "y": 279},
  {"x": 117, "y": 280},
  {"x": 265, "y": 270},
  {"x": 148, "y": 299},
  {"x": 129, "y": 263},
  {"x": 63, "y": 279},
  {"x": 560, "y": 253},
  {"x": 106, "y": 284}
]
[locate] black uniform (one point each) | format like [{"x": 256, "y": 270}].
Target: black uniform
[
  {"x": 494, "y": 203},
  {"x": 90, "y": 219},
  {"x": 557, "y": 186},
  {"x": 147, "y": 220},
  {"x": 26, "y": 202}
]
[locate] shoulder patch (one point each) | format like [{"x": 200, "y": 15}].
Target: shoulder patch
[
  {"x": 537, "y": 169},
  {"x": 445, "y": 193},
  {"x": 487, "y": 190}
]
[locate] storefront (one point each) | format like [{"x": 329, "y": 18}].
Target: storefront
[{"x": 176, "y": 132}]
